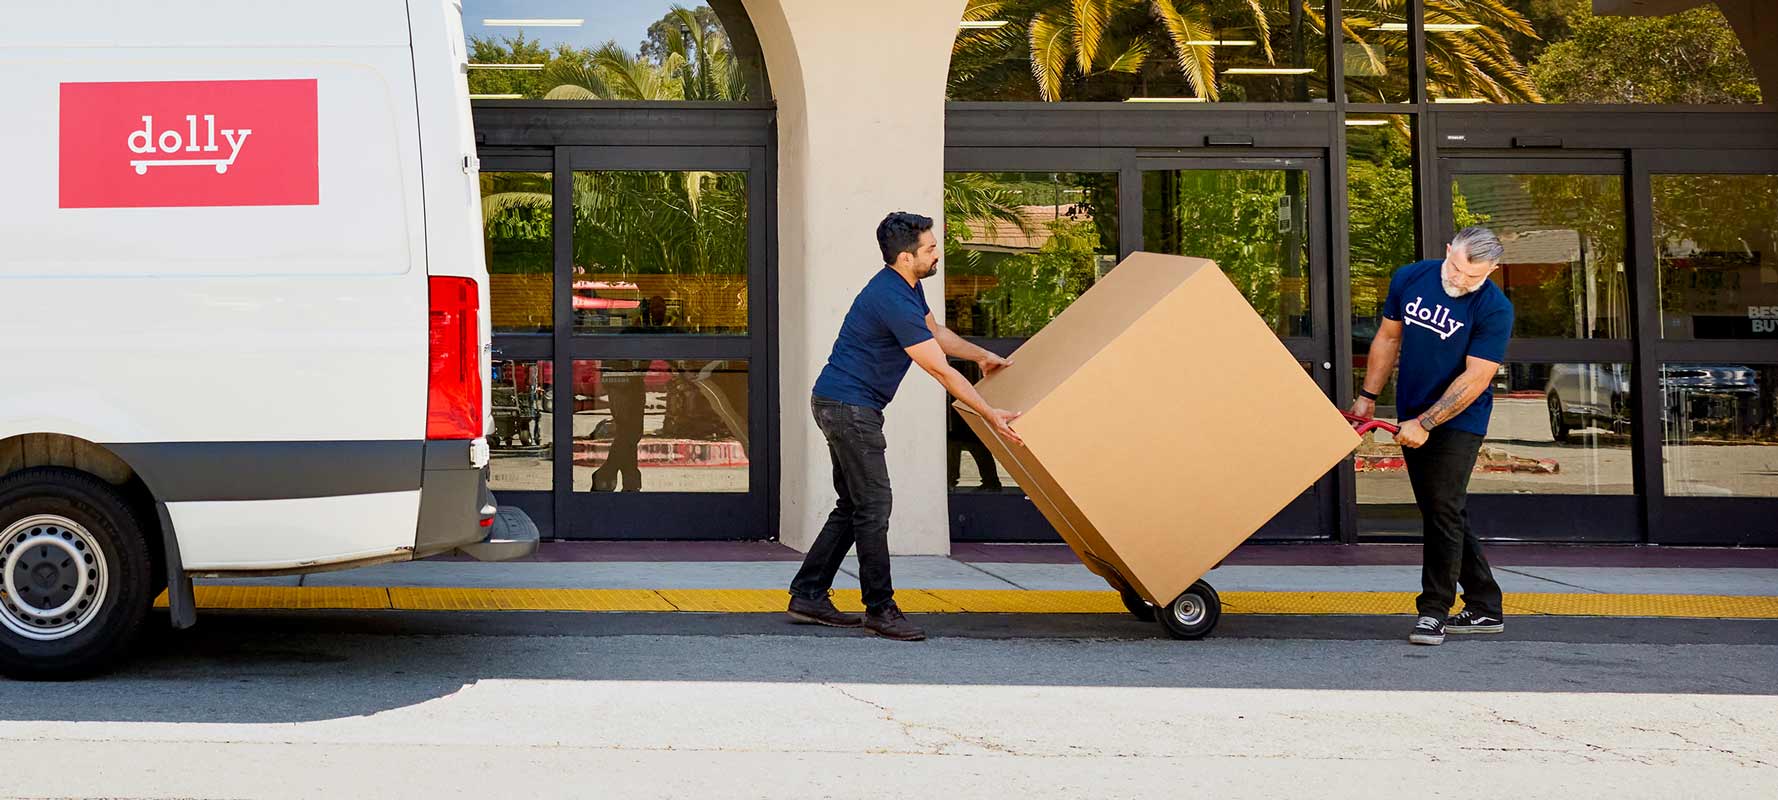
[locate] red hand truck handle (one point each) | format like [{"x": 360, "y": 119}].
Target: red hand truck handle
[{"x": 1363, "y": 426}]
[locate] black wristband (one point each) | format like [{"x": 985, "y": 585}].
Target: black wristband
[{"x": 1366, "y": 395}]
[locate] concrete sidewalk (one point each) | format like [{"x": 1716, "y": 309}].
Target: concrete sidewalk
[{"x": 739, "y": 577}]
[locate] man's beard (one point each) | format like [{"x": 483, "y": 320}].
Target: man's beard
[
  {"x": 1452, "y": 290},
  {"x": 1455, "y": 291},
  {"x": 929, "y": 271}
]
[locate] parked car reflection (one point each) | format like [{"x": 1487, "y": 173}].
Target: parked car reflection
[{"x": 1598, "y": 396}]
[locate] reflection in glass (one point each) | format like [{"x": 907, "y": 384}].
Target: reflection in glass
[
  {"x": 1716, "y": 246},
  {"x": 660, "y": 252},
  {"x": 1537, "y": 51},
  {"x": 660, "y": 426},
  {"x": 610, "y": 50},
  {"x": 520, "y": 445},
  {"x": 1554, "y": 429},
  {"x": 1019, "y": 247},
  {"x": 1564, "y": 235},
  {"x": 1376, "y": 52},
  {"x": 969, "y": 465},
  {"x": 519, "y": 247},
  {"x": 1252, "y": 223},
  {"x": 1380, "y": 219},
  {"x": 1153, "y": 50},
  {"x": 1719, "y": 426}
]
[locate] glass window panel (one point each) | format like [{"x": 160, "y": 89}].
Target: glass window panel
[
  {"x": 970, "y": 466},
  {"x": 1559, "y": 429},
  {"x": 1716, "y": 246},
  {"x": 1376, "y": 52},
  {"x": 1719, "y": 428},
  {"x": 1208, "y": 51},
  {"x": 1564, "y": 51},
  {"x": 523, "y": 412},
  {"x": 1021, "y": 246},
  {"x": 1564, "y": 235},
  {"x": 518, "y": 242},
  {"x": 660, "y": 426},
  {"x": 1380, "y": 215},
  {"x": 610, "y": 50},
  {"x": 660, "y": 252},
  {"x": 1252, "y": 222}
]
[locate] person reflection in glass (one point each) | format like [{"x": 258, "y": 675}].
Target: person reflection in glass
[
  {"x": 960, "y": 438},
  {"x": 625, "y": 397}
]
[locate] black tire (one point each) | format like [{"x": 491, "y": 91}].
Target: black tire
[
  {"x": 1194, "y": 613},
  {"x": 1559, "y": 427},
  {"x": 119, "y": 575},
  {"x": 1139, "y": 608}
]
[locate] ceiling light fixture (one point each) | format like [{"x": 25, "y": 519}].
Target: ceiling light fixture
[
  {"x": 1439, "y": 27},
  {"x": 981, "y": 24},
  {"x": 1268, "y": 71},
  {"x": 533, "y": 23}
]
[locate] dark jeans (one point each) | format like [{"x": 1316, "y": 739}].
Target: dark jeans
[
  {"x": 1439, "y": 471},
  {"x": 861, "y": 516}
]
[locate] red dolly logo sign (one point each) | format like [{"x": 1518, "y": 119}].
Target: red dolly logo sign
[{"x": 170, "y": 144}]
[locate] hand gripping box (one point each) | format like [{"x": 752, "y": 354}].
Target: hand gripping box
[{"x": 1163, "y": 423}]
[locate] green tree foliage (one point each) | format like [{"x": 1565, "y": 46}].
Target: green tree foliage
[
  {"x": 1691, "y": 58},
  {"x": 686, "y": 56},
  {"x": 1028, "y": 288}
]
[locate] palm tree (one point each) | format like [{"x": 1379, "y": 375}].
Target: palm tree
[
  {"x": 1075, "y": 40},
  {"x": 698, "y": 65},
  {"x": 1067, "y": 44}
]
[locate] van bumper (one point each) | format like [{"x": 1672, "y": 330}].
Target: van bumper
[{"x": 458, "y": 512}]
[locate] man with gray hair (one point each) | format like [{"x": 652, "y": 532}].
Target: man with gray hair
[{"x": 1447, "y": 326}]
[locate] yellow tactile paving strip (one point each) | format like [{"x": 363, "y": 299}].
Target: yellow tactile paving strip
[{"x": 942, "y": 601}]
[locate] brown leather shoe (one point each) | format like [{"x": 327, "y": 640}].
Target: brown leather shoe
[
  {"x": 890, "y": 623},
  {"x": 821, "y": 612}
]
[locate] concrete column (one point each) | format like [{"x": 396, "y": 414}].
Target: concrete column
[{"x": 860, "y": 92}]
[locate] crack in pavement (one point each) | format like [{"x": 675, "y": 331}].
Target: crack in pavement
[
  {"x": 1740, "y": 758},
  {"x": 1594, "y": 748},
  {"x": 908, "y": 729}
]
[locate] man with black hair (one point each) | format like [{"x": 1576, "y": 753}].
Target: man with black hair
[{"x": 888, "y": 327}]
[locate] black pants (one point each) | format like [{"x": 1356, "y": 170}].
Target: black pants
[
  {"x": 1439, "y": 471},
  {"x": 861, "y": 516},
  {"x": 627, "y": 397}
]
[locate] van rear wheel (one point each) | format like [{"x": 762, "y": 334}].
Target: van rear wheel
[{"x": 75, "y": 575}]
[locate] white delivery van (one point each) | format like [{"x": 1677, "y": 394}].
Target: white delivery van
[{"x": 242, "y": 297}]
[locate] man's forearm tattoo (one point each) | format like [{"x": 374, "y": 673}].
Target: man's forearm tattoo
[{"x": 1448, "y": 406}]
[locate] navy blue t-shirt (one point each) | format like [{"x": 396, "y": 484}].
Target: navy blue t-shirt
[
  {"x": 870, "y": 356},
  {"x": 1439, "y": 332}
]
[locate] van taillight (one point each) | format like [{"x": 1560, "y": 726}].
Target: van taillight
[{"x": 454, "y": 376}]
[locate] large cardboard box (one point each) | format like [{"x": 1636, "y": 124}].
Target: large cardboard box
[{"x": 1163, "y": 423}]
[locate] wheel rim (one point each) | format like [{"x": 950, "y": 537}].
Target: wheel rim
[
  {"x": 1555, "y": 413},
  {"x": 53, "y": 578},
  {"x": 1189, "y": 610}
]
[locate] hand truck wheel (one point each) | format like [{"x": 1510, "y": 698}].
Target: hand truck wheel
[{"x": 1194, "y": 613}]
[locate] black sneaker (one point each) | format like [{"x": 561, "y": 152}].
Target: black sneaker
[
  {"x": 1428, "y": 631},
  {"x": 1471, "y": 622},
  {"x": 821, "y": 612},
  {"x": 890, "y": 623}
]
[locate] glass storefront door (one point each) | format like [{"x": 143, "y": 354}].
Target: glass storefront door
[
  {"x": 1261, "y": 220},
  {"x": 636, "y": 275}
]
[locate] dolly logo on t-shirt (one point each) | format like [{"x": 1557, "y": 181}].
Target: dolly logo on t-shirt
[{"x": 1436, "y": 318}]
